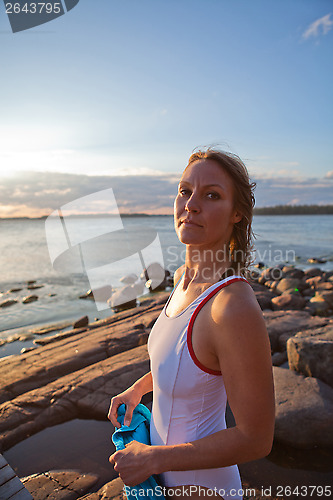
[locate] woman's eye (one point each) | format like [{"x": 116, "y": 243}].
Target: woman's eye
[
  {"x": 184, "y": 192},
  {"x": 213, "y": 195}
]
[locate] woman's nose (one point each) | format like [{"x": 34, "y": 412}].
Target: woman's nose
[{"x": 192, "y": 204}]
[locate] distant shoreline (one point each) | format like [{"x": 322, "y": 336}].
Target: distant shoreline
[{"x": 275, "y": 210}]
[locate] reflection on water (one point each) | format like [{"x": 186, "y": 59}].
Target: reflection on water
[{"x": 83, "y": 445}]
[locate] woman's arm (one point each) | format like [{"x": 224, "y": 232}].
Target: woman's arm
[
  {"x": 131, "y": 398},
  {"x": 238, "y": 337}
]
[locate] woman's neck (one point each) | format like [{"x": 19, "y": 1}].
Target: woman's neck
[{"x": 205, "y": 265}]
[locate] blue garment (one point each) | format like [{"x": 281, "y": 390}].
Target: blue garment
[{"x": 138, "y": 430}]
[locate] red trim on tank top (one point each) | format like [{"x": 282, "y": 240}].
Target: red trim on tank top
[{"x": 190, "y": 326}]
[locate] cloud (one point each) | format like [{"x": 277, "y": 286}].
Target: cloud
[
  {"x": 33, "y": 194},
  {"x": 319, "y": 27},
  {"x": 329, "y": 175}
]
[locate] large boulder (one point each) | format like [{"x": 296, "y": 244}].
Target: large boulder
[
  {"x": 322, "y": 302},
  {"x": 289, "y": 285},
  {"x": 311, "y": 353},
  {"x": 288, "y": 301},
  {"x": 304, "y": 409}
]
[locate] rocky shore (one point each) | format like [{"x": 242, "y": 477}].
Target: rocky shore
[{"x": 74, "y": 374}]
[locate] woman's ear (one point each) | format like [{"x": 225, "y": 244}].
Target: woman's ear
[{"x": 237, "y": 217}]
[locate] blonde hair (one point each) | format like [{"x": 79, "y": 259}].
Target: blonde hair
[{"x": 241, "y": 241}]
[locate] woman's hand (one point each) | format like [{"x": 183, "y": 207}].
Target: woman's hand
[
  {"x": 131, "y": 398},
  {"x": 135, "y": 463}
]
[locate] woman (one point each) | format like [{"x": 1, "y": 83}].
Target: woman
[{"x": 209, "y": 344}]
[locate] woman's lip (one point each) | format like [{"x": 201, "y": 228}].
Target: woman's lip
[{"x": 190, "y": 223}]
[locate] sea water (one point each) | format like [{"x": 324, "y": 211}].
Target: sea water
[{"x": 24, "y": 256}]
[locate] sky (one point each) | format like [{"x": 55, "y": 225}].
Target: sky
[{"x": 118, "y": 94}]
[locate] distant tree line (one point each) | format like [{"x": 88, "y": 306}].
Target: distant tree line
[{"x": 295, "y": 210}]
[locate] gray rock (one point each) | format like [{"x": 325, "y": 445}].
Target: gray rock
[
  {"x": 311, "y": 353},
  {"x": 304, "y": 409}
]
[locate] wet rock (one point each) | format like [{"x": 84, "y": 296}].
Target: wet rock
[
  {"x": 59, "y": 485},
  {"x": 82, "y": 322},
  {"x": 311, "y": 353},
  {"x": 27, "y": 349},
  {"x": 14, "y": 290},
  {"x": 304, "y": 409},
  {"x": 316, "y": 260},
  {"x": 29, "y": 298},
  {"x": 8, "y": 303},
  {"x": 288, "y": 301},
  {"x": 88, "y": 295}
]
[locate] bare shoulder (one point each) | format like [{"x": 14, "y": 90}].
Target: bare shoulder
[
  {"x": 235, "y": 312},
  {"x": 178, "y": 274},
  {"x": 235, "y": 299}
]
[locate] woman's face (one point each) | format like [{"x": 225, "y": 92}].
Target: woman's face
[{"x": 204, "y": 212}]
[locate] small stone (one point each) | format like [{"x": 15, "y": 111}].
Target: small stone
[
  {"x": 82, "y": 322},
  {"x": 29, "y": 298},
  {"x": 34, "y": 287},
  {"x": 7, "y": 303}
]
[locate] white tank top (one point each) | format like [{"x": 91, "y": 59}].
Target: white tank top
[{"x": 189, "y": 400}]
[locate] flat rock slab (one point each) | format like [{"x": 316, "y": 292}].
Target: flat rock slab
[
  {"x": 31, "y": 370},
  {"x": 85, "y": 393},
  {"x": 304, "y": 409},
  {"x": 283, "y": 324},
  {"x": 59, "y": 485}
]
